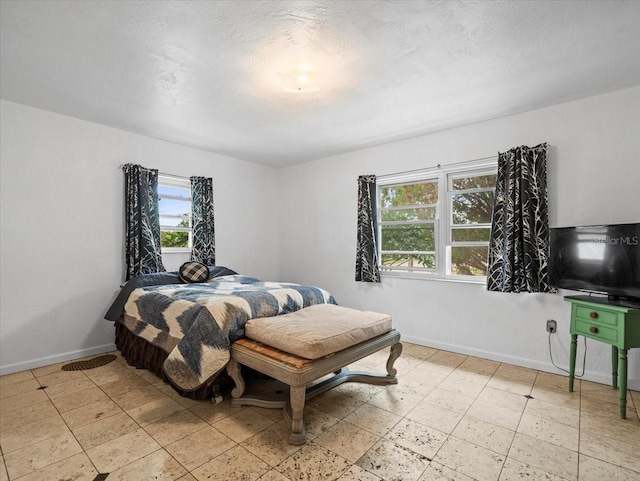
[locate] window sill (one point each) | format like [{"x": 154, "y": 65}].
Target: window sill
[
  {"x": 431, "y": 277},
  {"x": 175, "y": 250}
]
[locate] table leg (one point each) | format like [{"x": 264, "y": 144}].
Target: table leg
[
  {"x": 614, "y": 367},
  {"x": 572, "y": 360},
  {"x": 623, "y": 383}
]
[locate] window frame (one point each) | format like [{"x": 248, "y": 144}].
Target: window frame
[
  {"x": 450, "y": 243},
  {"x": 175, "y": 182},
  {"x": 443, "y": 223},
  {"x": 433, "y": 222}
]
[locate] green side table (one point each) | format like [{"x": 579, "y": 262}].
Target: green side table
[{"x": 607, "y": 321}]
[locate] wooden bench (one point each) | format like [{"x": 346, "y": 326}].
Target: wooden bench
[{"x": 300, "y": 373}]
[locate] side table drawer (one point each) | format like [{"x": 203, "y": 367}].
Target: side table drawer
[
  {"x": 596, "y": 330},
  {"x": 601, "y": 316}
]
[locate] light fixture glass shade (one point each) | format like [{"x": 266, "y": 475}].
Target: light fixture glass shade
[{"x": 299, "y": 81}]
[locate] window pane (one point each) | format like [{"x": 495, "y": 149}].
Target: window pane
[
  {"x": 175, "y": 191},
  {"x": 423, "y": 213},
  {"x": 480, "y": 234},
  {"x": 174, "y": 207},
  {"x": 473, "y": 208},
  {"x": 410, "y": 194},
  {"x": 174, "y": 239},
  {"x": 474, "y": 182},
  {"x": 174, "y": 222},
  {"x": 469, "y": 261},
  {"x": 409, "y": 260},
  {"x": 408, "y": 237},
  {"x": 174, "y": 215}
]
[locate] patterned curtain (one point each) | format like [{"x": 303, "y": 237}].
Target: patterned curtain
[
  {"x": 519, "y": 242},
  {"x": 142, "y": 231},
  {"x": 367, "y": 249},
  {"x": 204, "y": 239}
]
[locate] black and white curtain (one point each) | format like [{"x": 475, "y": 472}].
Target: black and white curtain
[
  {"x": 204, "y": 241},
  {"x": 142, "y": 230},
  {"x": 367, "y": 249},
  {"x": 519, "y": 242}
]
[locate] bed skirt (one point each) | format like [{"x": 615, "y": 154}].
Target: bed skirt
[{"x": 144, "y": 355}]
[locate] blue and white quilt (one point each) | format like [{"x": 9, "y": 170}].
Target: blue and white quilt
[{"x": 197, "y": 323}]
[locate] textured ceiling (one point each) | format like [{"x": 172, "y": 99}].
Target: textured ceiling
[{"x": 208, "y": 74}]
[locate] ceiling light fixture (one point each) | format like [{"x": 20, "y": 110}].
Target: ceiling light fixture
[{"x": 299, "y": 81}]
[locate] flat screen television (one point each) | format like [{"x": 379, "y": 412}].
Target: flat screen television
[{"x": 602, "y": 259}]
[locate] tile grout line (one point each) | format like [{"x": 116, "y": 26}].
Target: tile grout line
[
  {"x": 506, "y": 456},
  {"x": 515, "y": 431},
  {"x": 109, "y": 397},
  {"x": 84, "y": 451},
  {"x": 449, "y": 435},
  {"x": 383, "y": 437},
  {"x": 421, "y": 400},
  {"x": 519, "y": 421},
  {"x": 161, "y": 448},
  {"x": 65, "y": 423},
  {"x": 140, "y": 426},
  {"x": 366, "y": 402}
]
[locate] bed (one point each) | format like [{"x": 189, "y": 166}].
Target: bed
[{"x": 183, "y": 332}]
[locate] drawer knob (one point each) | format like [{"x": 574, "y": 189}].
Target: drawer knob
[
  {"x": 593, "y": 329},
  {"x": 593, "y": 315}
]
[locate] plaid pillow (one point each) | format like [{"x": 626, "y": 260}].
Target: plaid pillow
[{"x": 193, "y": 271}]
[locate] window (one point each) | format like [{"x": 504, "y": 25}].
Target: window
[
  {"x": 408, "y": 221},
  {"x": 174, "y": 201},
  {"x": 470, "y": 202},
  {"x": 437, "y": 222}
]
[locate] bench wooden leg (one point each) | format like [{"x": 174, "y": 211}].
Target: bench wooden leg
[
  {"x": 394, "y": 354},
  {"x": 233, "y": 369},
  {"x": 297, "y": 435}
]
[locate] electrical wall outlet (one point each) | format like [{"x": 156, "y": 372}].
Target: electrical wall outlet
[{"x": 552, "y": 326}]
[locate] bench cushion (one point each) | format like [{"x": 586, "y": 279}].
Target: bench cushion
[{"x": 318, "y": 330}]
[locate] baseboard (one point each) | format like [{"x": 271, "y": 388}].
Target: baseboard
[
  {"x": 45, "y": 361},
  {"x": 518, "y": 361},
  {"x": 602, "y": 378}
]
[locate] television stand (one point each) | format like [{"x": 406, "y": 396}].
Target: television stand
[{"x": 610, "y": 322}]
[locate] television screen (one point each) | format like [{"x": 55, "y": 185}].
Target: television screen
[{"x": 603, "y": 259}]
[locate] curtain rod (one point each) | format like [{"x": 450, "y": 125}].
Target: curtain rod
[
  {"x": 164, "y": 173},
  {"x": 439, "y": 166}
]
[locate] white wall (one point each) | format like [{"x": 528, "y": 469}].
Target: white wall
[
  {"x": 594, "y": 177},
  {"x": 61, "y": 237}
]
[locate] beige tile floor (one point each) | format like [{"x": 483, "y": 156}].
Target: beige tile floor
[{"x": 451, "y": 417}]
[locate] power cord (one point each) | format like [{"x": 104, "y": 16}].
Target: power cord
[{"x": 584, "y": 358}]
